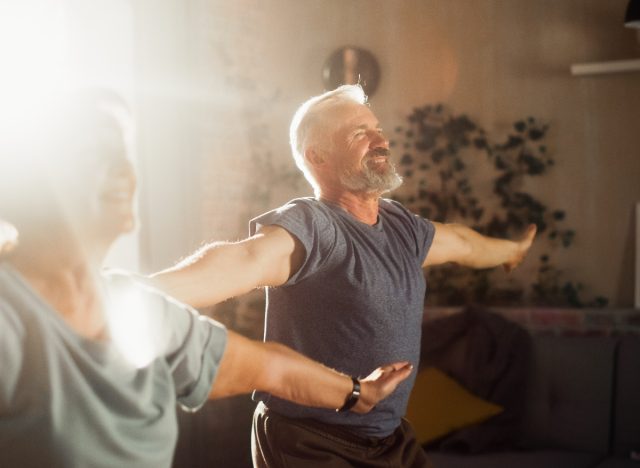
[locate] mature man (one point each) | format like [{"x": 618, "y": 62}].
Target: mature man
[{"x": 345, "y": 284}]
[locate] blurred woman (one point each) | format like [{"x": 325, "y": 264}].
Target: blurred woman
[{"x": 92, "y": 364}]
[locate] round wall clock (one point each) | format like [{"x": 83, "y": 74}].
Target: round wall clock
[{"x": 351, "y": 65}]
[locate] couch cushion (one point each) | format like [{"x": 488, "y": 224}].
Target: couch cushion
[
  {"x": 612, "y": 462},
  {"x": 536, "y": 459},
  {"x": 626, "y": 433},
  {"x": 438, "y": 405},
  {"x": 489, "y": 356},
  {"x": 569, "y": 399}
]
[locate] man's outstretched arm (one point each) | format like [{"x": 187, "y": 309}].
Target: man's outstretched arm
[
  {"x": 464, "y": 246},
  {"x": 274, "y": 368},
  {"x": 222, "y": 270}
]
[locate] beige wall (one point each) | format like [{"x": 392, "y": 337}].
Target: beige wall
[{"x": 254, "y": 61}]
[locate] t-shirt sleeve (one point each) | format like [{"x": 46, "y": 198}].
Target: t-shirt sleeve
[
  {"x": 310, "y": 225},
  {"x": 421, "y": 228},
  {"x": 425, "y": 230},
  {"x": 191, "y": 344},
  {"x": 195, "y": 362}
]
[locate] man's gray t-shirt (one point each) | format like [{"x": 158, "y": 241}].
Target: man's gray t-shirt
[
  {"x": 355, "y": 303},
  {"x": 66, "y": 401}
]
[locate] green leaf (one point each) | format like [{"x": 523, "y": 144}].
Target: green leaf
[{"x": 407, "y": 160}]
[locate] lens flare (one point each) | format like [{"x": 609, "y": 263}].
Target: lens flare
[
  {"x": 131, "y": 326},
  {"x": 8, "y": 237},
  {"x": 34, "y": 53}
]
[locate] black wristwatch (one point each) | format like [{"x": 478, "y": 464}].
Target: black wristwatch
[{"x": 353, "y": 397}]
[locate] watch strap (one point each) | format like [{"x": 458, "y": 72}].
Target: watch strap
[{"x": 353, "y": 397}]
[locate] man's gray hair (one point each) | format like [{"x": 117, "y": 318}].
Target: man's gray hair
[{"x": 308, "y": 115}]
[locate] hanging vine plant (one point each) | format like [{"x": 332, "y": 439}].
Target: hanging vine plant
[{"x": 437, "y": 149}]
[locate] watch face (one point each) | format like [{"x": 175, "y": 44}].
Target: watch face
[{"x": 351, "y": 65}]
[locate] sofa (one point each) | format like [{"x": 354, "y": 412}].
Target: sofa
[{"x": 580, "y": 407}]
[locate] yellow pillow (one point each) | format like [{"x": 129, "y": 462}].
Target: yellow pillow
[{"x": 439, "y": 405}]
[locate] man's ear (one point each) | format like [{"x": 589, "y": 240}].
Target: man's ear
[{"x": 313, "y": 157}]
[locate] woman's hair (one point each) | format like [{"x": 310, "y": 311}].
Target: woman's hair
[{"x": 49, "y": 145}]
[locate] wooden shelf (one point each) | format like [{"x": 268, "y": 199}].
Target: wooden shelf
[{"x": 601, "y": 68}]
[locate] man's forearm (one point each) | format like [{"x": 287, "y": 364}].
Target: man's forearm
[
  {"x": 483, "y": 251},
  {"x": 462, "y": 245},
  {"x": 297, "y": 378},
  {"x": 307, "y": 382},
  {"x": 276, "y": 369},
  {"x": 469, "y": 248}
]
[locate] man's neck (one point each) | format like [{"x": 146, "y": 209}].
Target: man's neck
[{"x": 362, "y": 206}]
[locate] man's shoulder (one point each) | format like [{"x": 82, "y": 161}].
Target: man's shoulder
[
  {"x": 395, "y": 213},
  {"x": 392, "y": 206},
  {"x": 302, "y": 203},
  {"x": 306, "y": 210}
]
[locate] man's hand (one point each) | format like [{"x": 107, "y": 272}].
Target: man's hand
[
  {"x": 462, "y": 245},
  {"x": 521, "y": 248},
  {"x": 380, "y": 384},
  {"x": 8, "y": 237}
]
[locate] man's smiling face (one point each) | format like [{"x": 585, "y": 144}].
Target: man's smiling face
[{"x": 359, "y": 151}]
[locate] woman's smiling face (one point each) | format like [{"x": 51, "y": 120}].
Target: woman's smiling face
[
  {"x": 71, "y": 180},
  {"x": 97, "y": 188},
  {"x": 81, "y": 180}
]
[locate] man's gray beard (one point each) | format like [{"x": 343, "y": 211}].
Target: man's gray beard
[{"x": 369, "y": 180}]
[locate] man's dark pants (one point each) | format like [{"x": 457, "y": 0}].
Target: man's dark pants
[{"x": 281, "y": 442}]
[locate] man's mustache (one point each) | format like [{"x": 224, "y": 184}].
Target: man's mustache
[{"x": 378, "y": 152}]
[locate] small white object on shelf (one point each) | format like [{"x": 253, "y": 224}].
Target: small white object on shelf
[{"x": 612, "y": 66}]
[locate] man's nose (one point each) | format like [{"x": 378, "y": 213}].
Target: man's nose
[{"x": 379, "y": 140}]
